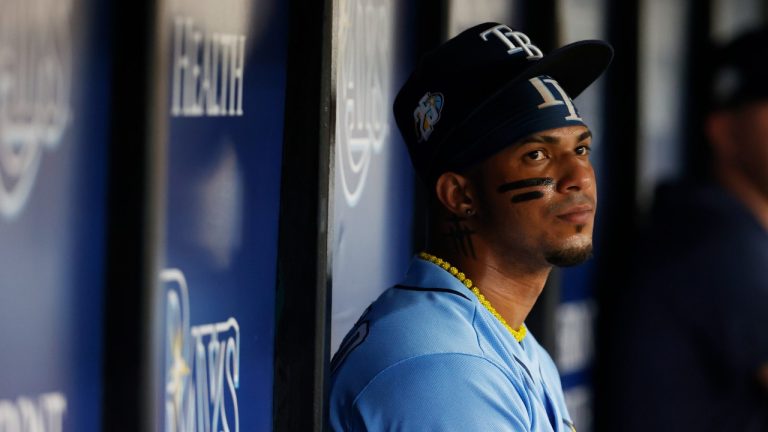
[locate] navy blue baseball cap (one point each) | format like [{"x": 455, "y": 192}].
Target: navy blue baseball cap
[{"x": 487, "y": 88}]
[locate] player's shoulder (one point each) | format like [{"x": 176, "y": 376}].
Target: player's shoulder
[
  {"x": 405, "y": 322},
  {"x": 415, "y": 360},
  {"x": 408, "y": 321},
  {"x": 440, "y": 391}
]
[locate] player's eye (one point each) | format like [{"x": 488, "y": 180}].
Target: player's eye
[
  {"x": 535, "y": 155},
  {"x": 584, "y": 150}
]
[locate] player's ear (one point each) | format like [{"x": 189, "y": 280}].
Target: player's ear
[{"x": 455, "y": 193}]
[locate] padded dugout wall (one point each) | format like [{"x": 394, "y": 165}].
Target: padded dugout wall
[
  {"x": 54, "y": 84},
  {"x": 224, "y": 71}
]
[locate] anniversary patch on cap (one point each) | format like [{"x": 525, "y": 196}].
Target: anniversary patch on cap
[
  {"x": 427, "y": 114},
  {"x": 485, "y": 89}
]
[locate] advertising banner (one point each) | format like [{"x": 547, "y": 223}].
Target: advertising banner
[
  {"x": 216, "y": 290},
  {"x": 54, "y": 99}
]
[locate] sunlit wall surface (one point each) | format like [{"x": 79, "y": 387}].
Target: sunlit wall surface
[
  {"x": 731, "y": 17},
  {"x": 373, "y": 196},
  {"x": 53, "y": 90},
  {"x": 463, "y": 14},
  {"x": 215, "y": 300},
  {"x": 662, "y": 89}
]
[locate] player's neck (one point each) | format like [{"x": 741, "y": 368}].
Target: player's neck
[{"x": 511, "y": 288}]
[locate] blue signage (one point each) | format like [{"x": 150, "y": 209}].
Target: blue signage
[
  {"x": 216, "y": 291},
  {"x": 53, "y": 135}
]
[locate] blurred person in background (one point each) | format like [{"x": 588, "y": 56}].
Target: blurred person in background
[{"x": 691, "y": 347}]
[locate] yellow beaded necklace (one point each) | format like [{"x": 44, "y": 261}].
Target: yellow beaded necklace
[{"x": 519, "y": 334}]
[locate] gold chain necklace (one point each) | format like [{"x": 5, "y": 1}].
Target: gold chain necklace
[{"x": 519, "y": 334}]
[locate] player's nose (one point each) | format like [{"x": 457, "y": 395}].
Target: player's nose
[{"x": 576, "y": 175}]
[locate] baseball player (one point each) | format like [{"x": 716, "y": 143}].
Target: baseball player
[{"x": 492, "y": 131}]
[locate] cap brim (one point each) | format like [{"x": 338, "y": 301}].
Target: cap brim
[{"x": 574, "y": 66}]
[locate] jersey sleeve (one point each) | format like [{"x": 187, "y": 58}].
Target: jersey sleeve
[{"x": 441, "y": 392}]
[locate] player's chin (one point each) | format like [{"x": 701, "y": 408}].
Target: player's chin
[{"x": 570, "y": 254}]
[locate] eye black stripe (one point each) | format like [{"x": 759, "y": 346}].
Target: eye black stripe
[
  {"x": 527, "y": 196},
  {"x": 541, "y": 181}
]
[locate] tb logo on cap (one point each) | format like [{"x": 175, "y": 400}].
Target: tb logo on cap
[{"x": 515, "y": 40}]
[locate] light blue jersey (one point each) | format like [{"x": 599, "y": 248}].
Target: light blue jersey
[{"x": 427, "y": 356}]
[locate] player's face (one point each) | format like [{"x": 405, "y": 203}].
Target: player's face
[
  {"x": 538, "y": 197},
  {"x": 750, "y": 143}
]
